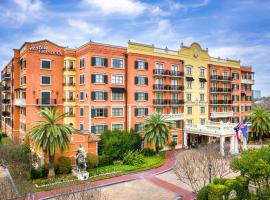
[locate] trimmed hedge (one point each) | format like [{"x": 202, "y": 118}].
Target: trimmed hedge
[
  {"x": 92, "y": 161},
  {"x": 64, "y": 165},
  {"x": 215, "y": 192}
]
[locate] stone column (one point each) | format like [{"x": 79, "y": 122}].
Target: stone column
[
  {"x": 236, "y": 150},
  {"x": 185, "y": 139},
  {"x": 232, "y": 145},
  {"x": 221, "y": 143}
]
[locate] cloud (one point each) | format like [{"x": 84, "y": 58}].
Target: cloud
[
  {"x": 121, "y": 7},
  {"x": 85, "y": 27},
  {"x": 29, "y": 5},
  {"x": 176, "y": 6}
]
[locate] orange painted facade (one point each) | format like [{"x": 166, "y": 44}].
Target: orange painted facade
[{"x": 109, "y": 87}]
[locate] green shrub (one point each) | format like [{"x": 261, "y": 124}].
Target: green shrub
[
  {"x": 215, "y": 192},
  {"x": 219, "y": 181},
  {"x": 104, "y": 160},
  {"x": 133, "y": 158},
  {"x": 64, "y": 165},
  {"x": 92, "y": 161},
  {"x": 40, "y": 172},
  {"x": 203, "y": 194},
  {"x": 118, "y": 162},
  {"x": 116, "y": 144},
  {"x": 148, "y": 152},
  {"x": 243, "y": 180}
]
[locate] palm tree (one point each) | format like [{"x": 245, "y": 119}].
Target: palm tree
[
  {"x": 260, "y": 120},
  {"x": 50, "y": 135},
  {"x": 156, "y": 129}
]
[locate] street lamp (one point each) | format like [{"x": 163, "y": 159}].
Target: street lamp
[{"x": 210, "y": 172}]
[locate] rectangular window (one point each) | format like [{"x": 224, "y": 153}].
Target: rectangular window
[
  {"x": 175, "y": 139},
  {"x": 201, "y": 97},
  {"x": 117, "y": 79},
  {"x": 81, "y": 126},
  {"x": 159, "y": 66},
  {"x": 81, "y": 79},
  {"x": 81, "y": 63},
  {"x": 118, "y": 127},
  {"x": 139, "y": 127},
  {"x": 101, "y": 128},
  {"x": 174, "y": 82},
  {"x": 81, "y": 111},
  {"x": 117, "y": 96},
  {"x": 141, "y": 80},
  {"x": 201, "y": 72},
  {"x": 101, "y": 112},
  {"x": 23, "y": 80},
  {"x": 99, "y": 95},
  {"x": 45, "y": 64},
  {"x": 141, "y": 96},
  {"x": 45, "y": 97},
  {"x": 99, "y": 62},
  {"x": 188, "y": 70},
  {"x": 159, "y": 110},
  {"x": 189, "y": 84},
  {"x": 202, "y": 110},
  {"x": 71, "y": 64},
  {"x": 45, "y": 80},
  {"x": 117, "y": 63},
  {"x": 174, "y": 96},
  {"x": 139, "y": 64},
  {"x": 214, "y": 72},
  {"x": 174, "y": 67},
  {"x": 81, "y": 95},
  {"x": 188, "y": 96},
  {"x": 117, "y": 112},
  {"x": 235, "y": 75},
  {"x": 189, "y": 110},
  {"x": 141, "y": 111},
  {"x": 174, "y": 110},
  {"x": 99, "y": 78},
  {"x": 214, "y": 108},
  {"x": 202, "y": 84}
]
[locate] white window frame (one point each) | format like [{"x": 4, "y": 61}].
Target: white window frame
[
  {"x": 83, "y": 79},
  {"x": 141, "y": 61},
  {"x": 83, "y": 95},
  {"x": 123, "y": 75},
  {"x": 117, "y": 108},
  {"x": 123, "y": 63},
  {"x": 117, "y": 92},
  {"x": 83, "y": 111},
  {"x": 80, "y": 63},
  {"x": 45, "y": 59},
  {"x": 45, "y": 76},
  {"x": 45, "y": 91},
  {"x": 117, "y": 123}
]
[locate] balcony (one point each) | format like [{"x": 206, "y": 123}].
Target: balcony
[
  {"x": 69, "y": 99},
  {"x": 221, "y": 114},
  {"x": 69, "y": 69},
  {"x": 5, "y": 76},
  {"x": 161, "y": 87},
  {"x": 172, "y": 73},
  {"x": 20, "y": 102},
  {"x": 168, "y": 102},
  {"x": 68, "y": 84},
  {"x": 220, "y": 102},
  {"x": 248, "y": 81},
  {"x": 5, "y": 114},
  {"x": 172, "y": 117},
  {"x": 221, "y": 90},
  {"x": 6, "y": 89},
  {"x": 220, "y": 78},
  {"x": 46, "y": 102},
  {"x": 5, "y": 101}
]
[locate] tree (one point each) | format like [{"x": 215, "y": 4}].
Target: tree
[
  {"x": 50, "y": 135},
  {"x": 260, "y": 119},
  {"x": 192, "y": 167},
  {"x": 156, "y": 130}
]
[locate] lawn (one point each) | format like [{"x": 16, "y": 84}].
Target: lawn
[
  {"x": 101, "y": 173},
  {"x": 5, "y": 139}
]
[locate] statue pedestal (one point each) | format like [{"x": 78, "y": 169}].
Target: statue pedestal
[{"x": 81, "y": 175}]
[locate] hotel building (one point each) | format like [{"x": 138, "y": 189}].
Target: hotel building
[{"x": 105, "y": 87}]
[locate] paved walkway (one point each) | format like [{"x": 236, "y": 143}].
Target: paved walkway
[{"x": 149, "y": 175}]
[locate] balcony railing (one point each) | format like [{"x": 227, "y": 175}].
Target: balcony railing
[
  {"x": 5, "y": 76},
  {"x": 168, "y": 102},
  {"x": 5, "y": 101},
  {"x": 248, "y": 81},
  {"x": 69, "y": 99},
  {"x": 69, "y": 69},
  {"x": 20, "y": 102},
  {"x": 220, "y": 78},
  {"x": 221, "y": 114},
  {"x": 220, "y": 101},
  {"x": 163, "y": 72},
  {"x": 168, "y": 87},
  {"x": 224, "y": 90},
  {"x": 171, "y": 116},
  {"x": 69, "y": 84},
  {"x": 46, "y": 102}
]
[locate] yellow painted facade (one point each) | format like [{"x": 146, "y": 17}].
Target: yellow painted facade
[
  {"x": 69, "y": 88},
  {"x": 197, "y": 59}
]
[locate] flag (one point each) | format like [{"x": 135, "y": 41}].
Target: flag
[
  {"x": 236, "y": 129},
  {"x": 244, "y": 129}
]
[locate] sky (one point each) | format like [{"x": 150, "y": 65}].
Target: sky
[{"x": 235, "y": 29}]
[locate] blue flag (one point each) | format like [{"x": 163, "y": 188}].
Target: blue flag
[{"x": 244, "y": 130}]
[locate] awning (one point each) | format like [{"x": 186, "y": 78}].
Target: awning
[
  {"x": 203, "y": 79},
  {"x": 114, "y": 89},
  {"x": 189, "y": 78}
]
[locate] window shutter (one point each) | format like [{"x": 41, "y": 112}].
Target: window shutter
[
  {"x": 106, "y": 79},
  {"x": 146, "y": 81},
  {"x": 136, "y": 96},
  {"x": 136, "y": 112},
  {"x": 136, "y": 80},
  {"x": 93, "y": 61},
  {"x": 93, "y": 96},
  {"x": 146, "y": 96},
  {"x": 136, "y": 64},
  {"x": 146, "y": 65},
  {"x": 93, "y": 113},
  {"x": 93, "y": 129},
  {"x": 93, "y": 77},
  {"x": 106, "y": 96},
  {"x": 105, "y": 112},
  {"x": 106, "y": 62},
  {"x": 146, "y": 111}
]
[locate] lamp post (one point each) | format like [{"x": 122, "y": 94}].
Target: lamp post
[{"x": 210, "y": 172}]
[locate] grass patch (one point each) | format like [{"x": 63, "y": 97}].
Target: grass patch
[
  {"x": 5, "y": 140},
  {"x": 150, "y": 162}
]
